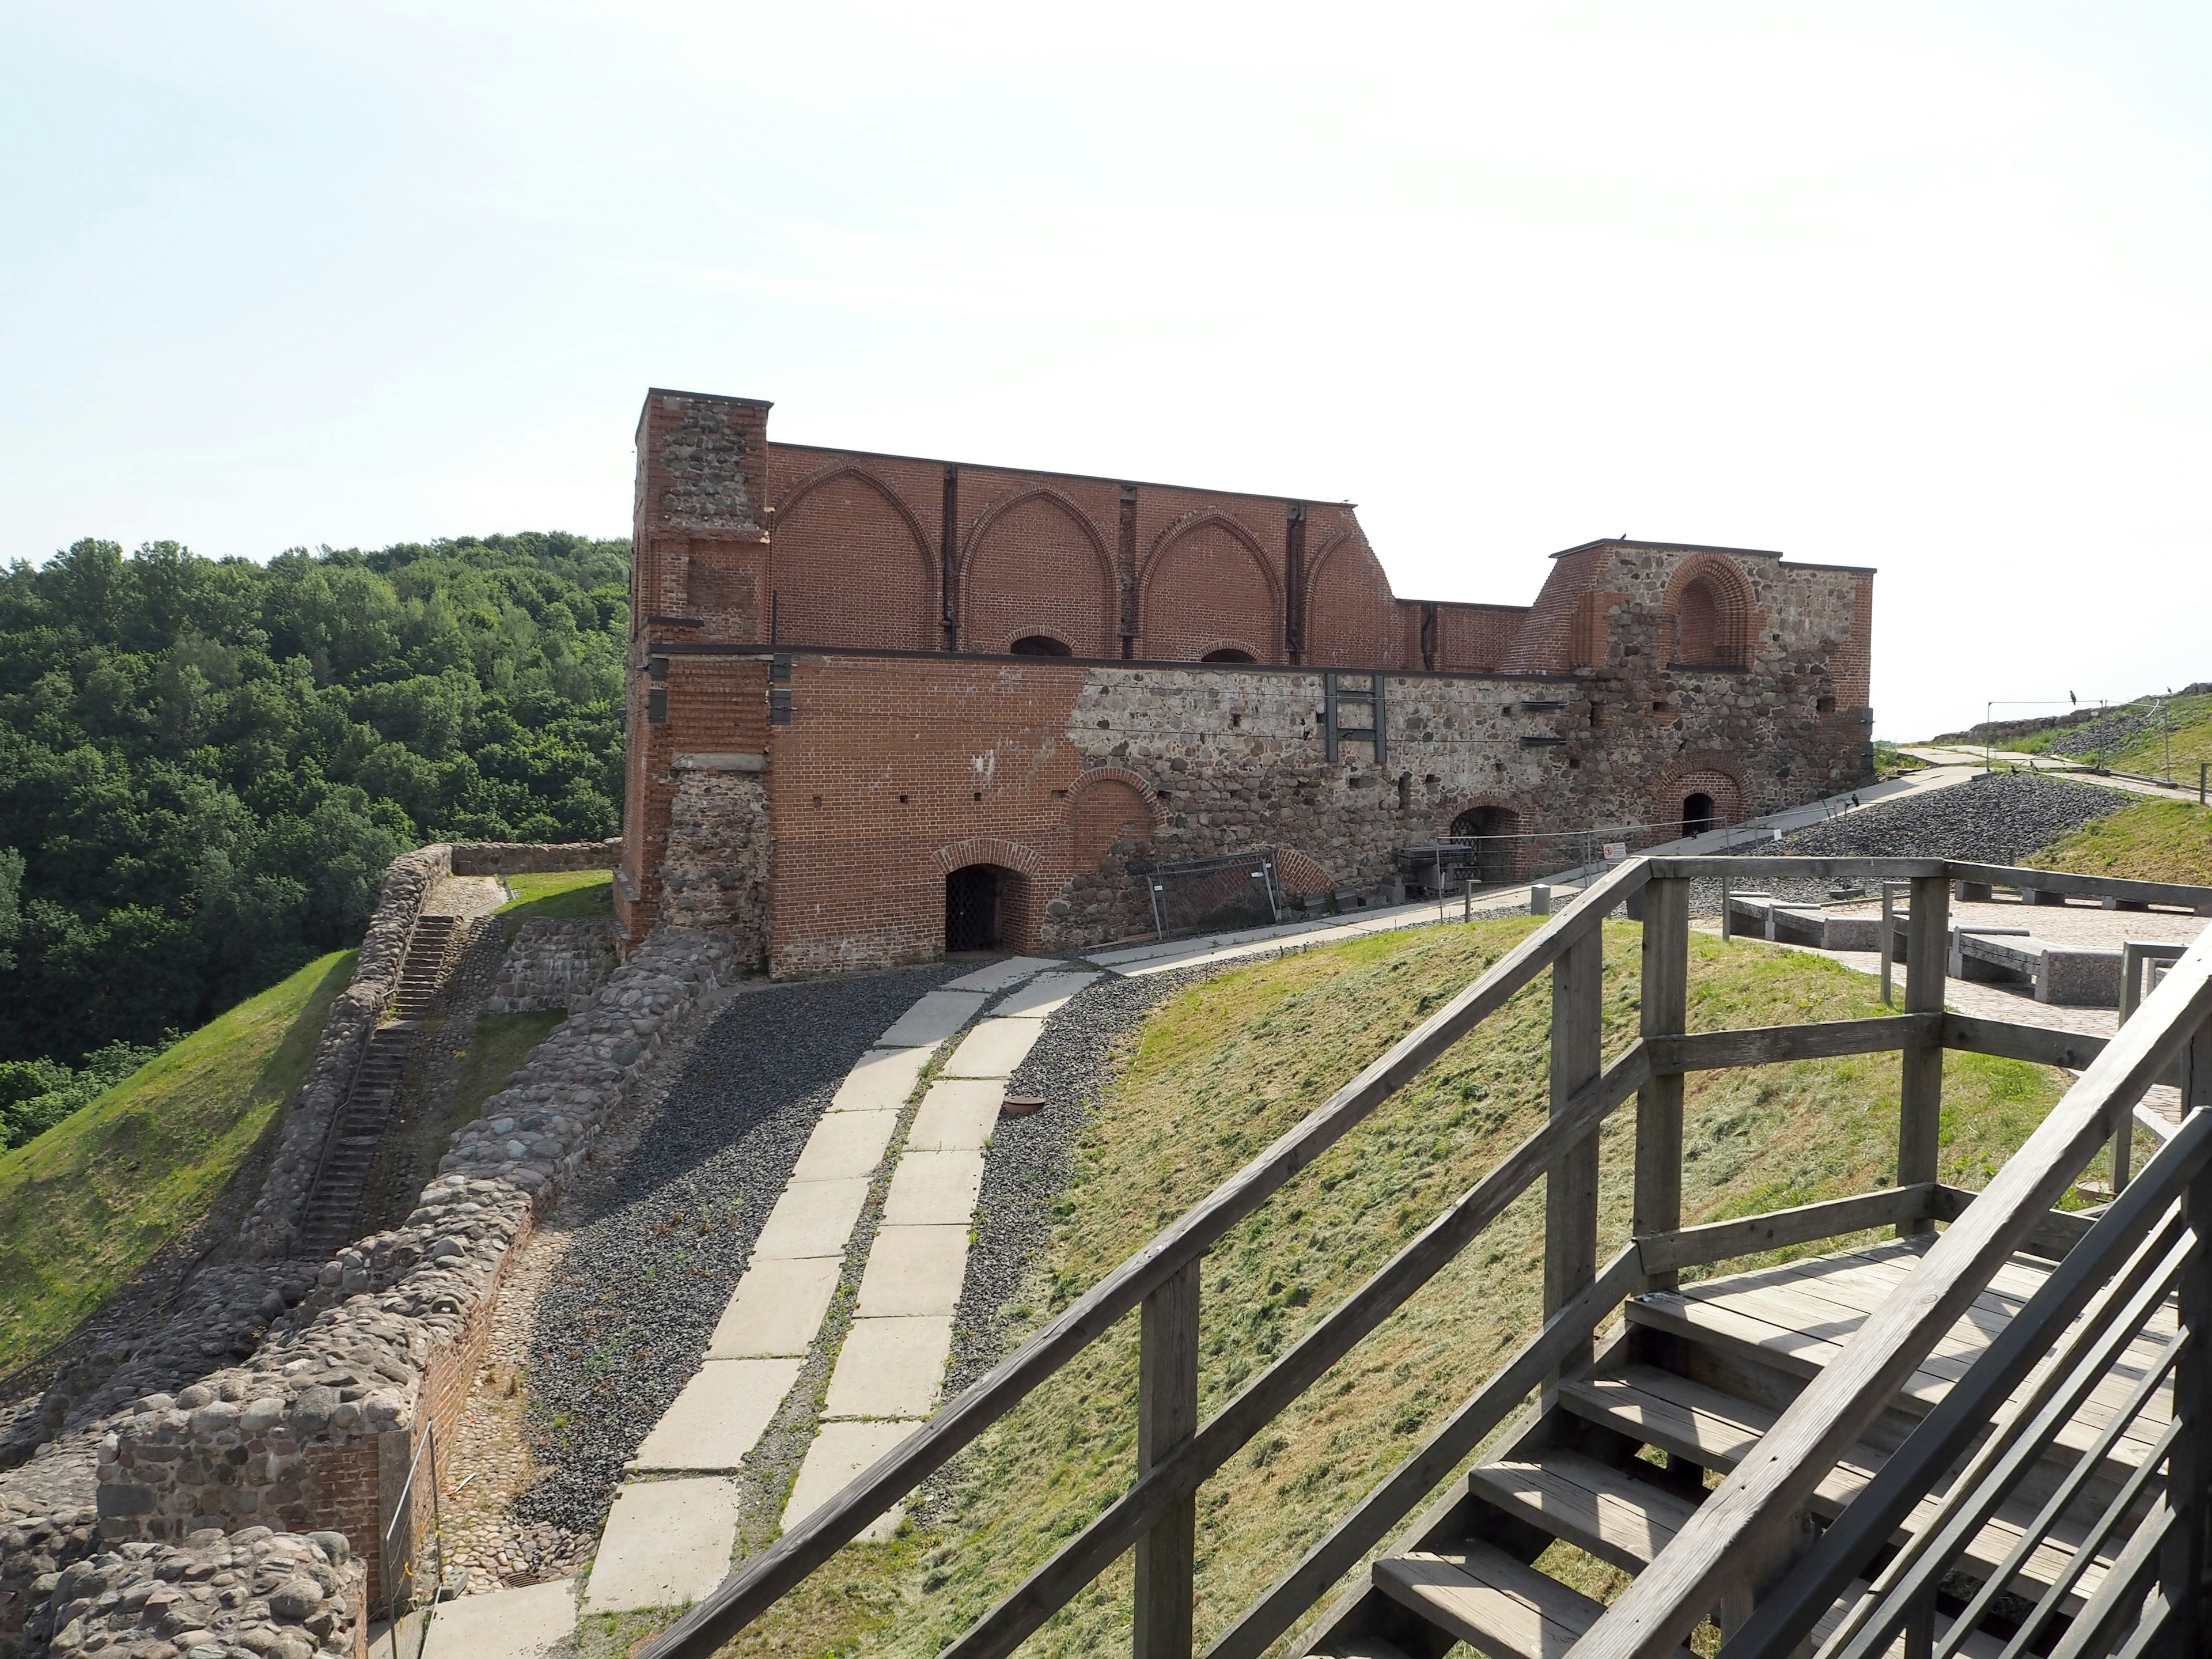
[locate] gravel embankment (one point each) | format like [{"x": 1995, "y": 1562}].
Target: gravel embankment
[
  {"x": 1998, "y": 819},
  {"x": 657, "y": 1243}
]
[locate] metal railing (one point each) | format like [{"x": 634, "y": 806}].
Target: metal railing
[
  {"x": 401, "y": 1587},
  {"x": 1730, "y": 1535}
]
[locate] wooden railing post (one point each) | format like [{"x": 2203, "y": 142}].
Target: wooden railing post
[
  {"x": 1167, "y": 1416},
  {"x": 1571, "y": 1187},
  {"x": 1665, "y": 994},
  {"x": 2184, "y": 1561},
  {"x": 1920, "y": 1095}
]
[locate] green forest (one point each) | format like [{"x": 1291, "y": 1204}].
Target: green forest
[{"x": 206, "y": 764}]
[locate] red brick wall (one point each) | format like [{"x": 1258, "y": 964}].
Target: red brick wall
[
  {"x": 1211, "y": 587},
  {"x": 853, "y": 565}
]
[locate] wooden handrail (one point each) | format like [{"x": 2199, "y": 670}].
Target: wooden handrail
[
  {"x": 1730, "y": 1542},
  {"x": 743, "y": 1597}
]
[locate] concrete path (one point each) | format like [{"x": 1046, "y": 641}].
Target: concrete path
[
  {"x": 669, "y": 1538},
  {"x": 508, "y": 1624},
  {"x": 1972, "y": 761}
]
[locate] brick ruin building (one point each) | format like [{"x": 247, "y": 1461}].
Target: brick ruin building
[{"x": 872, "y": 697}]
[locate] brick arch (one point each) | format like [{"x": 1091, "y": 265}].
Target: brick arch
[
  {"x": 1510, "y": 862},
  {"x": 1034, "y": 563},
  {"x": 1710, "y": 773},
  {"x": 1206, "y": 584},
  {"x": 1709, "y": 603},
  {"x": 851, "y": 565},
  {"x": 1107, "y": 803},
  {"x": 1007, "y": 854},
  {"x": 1351, "y": 617},
  {"x": 1300, "y": 876}
]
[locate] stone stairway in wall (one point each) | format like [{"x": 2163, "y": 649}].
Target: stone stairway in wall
[
  {"x": 1623, "y": 1452},
  {"x": 331, "y": 1214}
]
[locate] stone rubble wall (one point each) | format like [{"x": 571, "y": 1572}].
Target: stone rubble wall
[
  {"x": 554, "y": 964},
  {"x": 318, "y": 1428},
  {"x": 272, "y": 1593},
  {"x": 716, "y": 871},
  {"x": 524, "y": 858},
  {"x": 273, "y": 1224}
]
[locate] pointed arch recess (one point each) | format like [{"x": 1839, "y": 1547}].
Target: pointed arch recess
[
  {"x": 1351, "y": 617},
  {"x": 1717, "y": 632},
  {"x": 857, "y": 573},
  {"x": 1033, "y": 593},
  {"x": 1187, "y": 605}
]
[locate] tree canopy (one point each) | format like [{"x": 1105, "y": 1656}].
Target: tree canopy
[{"x": 206, "y": 764}]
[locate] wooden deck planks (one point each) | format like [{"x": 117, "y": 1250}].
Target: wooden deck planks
[{"x": 1591, "y": 1504}]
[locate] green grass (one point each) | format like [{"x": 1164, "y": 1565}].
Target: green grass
[
  {"x": 1889, "y": 760},
  {"x": 1218, "y": 1072},
  {"x": 88, "y": 1204},
  {"x": 2191, "y": 722},
  {"x": 488, "y": 1048},
  {"x": 2148, "y": 840},
  {"x": 559, "y": 897}
]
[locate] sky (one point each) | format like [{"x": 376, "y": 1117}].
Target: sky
[{"x": 1917, "y": 286}]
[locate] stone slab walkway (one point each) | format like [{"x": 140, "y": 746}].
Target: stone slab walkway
[{"x": 511, "y": 1623}]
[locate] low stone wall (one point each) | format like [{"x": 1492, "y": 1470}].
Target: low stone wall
[
  {"x": 273, "y": 1222},
  {"x": 319, "y": 1429},
  {"x": 524, "y": 858},
  {"x": 554, "y": 964},
  {"x": 37, "y": 1545},
  {"x": 272, "y": 1593}
]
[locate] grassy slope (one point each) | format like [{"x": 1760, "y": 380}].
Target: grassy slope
[
  {"x": 564, "y": 893},
  {"x": 86, "y": 1205},
  {"x": 2149, "y": 841},
  {"x": 1224, "y": 1069},
  {"x": 2191, "y": 719}
]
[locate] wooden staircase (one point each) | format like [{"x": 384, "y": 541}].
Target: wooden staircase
[
  {"x": 332, "y": 1211},
  {"x": 1617, "y": 1458}
]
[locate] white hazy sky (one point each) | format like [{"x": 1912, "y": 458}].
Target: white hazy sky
[{"x": 1920, "y": 287}]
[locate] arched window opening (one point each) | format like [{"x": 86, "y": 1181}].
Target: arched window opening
[
  {"x": 1696, "y": 812},
  {"x": 974, "y": 896},
  {"x": 1040, "y": 645},
  {"x": 1497, "y": 852},
  {"x": 1228, "y": 654}
]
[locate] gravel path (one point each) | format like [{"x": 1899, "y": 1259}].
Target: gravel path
[
  {"x": 1998, "y": 819},
  {"x": 656, "y": 1245}
]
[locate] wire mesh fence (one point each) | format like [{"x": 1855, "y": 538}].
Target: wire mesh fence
[{"x": 1228, "y": 891}]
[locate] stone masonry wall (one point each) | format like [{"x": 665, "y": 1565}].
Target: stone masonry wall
[
  {"x": 715, "y": 873},
  {"x": 318, "y": 1428},
  {"x": 519, "y": 858},
  {"x": 553, "y": 965}
]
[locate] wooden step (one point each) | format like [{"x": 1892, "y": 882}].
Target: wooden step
[
  {"x": 1593, "y": 1506},
  {"x": 1484, "y": 1597},
  {"x": 1715, "y": 1431}
]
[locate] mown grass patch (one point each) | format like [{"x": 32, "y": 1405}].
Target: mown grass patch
[
  {"x": 559, "y": 895},
  {"x": 1224, "y": 1069},
  {"x": 2147, "y": 840},
  {"x": 88, "y": 1204}
]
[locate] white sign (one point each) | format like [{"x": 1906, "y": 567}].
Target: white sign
[{"x": 1616, "y": 849}]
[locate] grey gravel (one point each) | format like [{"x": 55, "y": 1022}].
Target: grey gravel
[
  {"x": 657, "y": 1243},
  {"x": 1998, "y": 819}
]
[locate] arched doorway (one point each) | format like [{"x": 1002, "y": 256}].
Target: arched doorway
[
  {"x": 1228, "y": 653},
  {"x": 1696, "y": 812},
  {"x": 980, "y": 899},
  {"x": 1497, "y": 857},
  {"x": 1040, "y": 645}
]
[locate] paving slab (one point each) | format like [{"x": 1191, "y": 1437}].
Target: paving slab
[
  {"x": 932, "y": 1019},
  {"x": 720, "y": 1416},
  {"x": 997, "y": 975},
  {"x": 994, "y": 1048},
  {"x": 935, "y": 1189},
  {"x": 813, "y": 1218},
  {"x": 913, "y": 1271},
  {"x": 840, "y": 1451},
  {"x": 891, "y": 1368},
  {"x": 508, "y": 1624},
  {"x": 668, "y": 1542},
  {"x": 1043, "y": 997},
  {"x": 845, "y": 1144},
  {"x": 882, "y": 1080},
  {"x": 777, "y": 1310},
  {"x": 956, "y": 1116}
]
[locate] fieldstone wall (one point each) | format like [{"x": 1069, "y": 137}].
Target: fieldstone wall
[
  {"x": 522, "y": 858},
  {"x": 273, "y": 1222},
  {"x": 271, "y": 1594},
  {"x": 716, "y": 871},
  {"x": 316, "y": 1429},
  {"x": 554, "y": 964},
  {"x": 39, "y": 1543}
]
